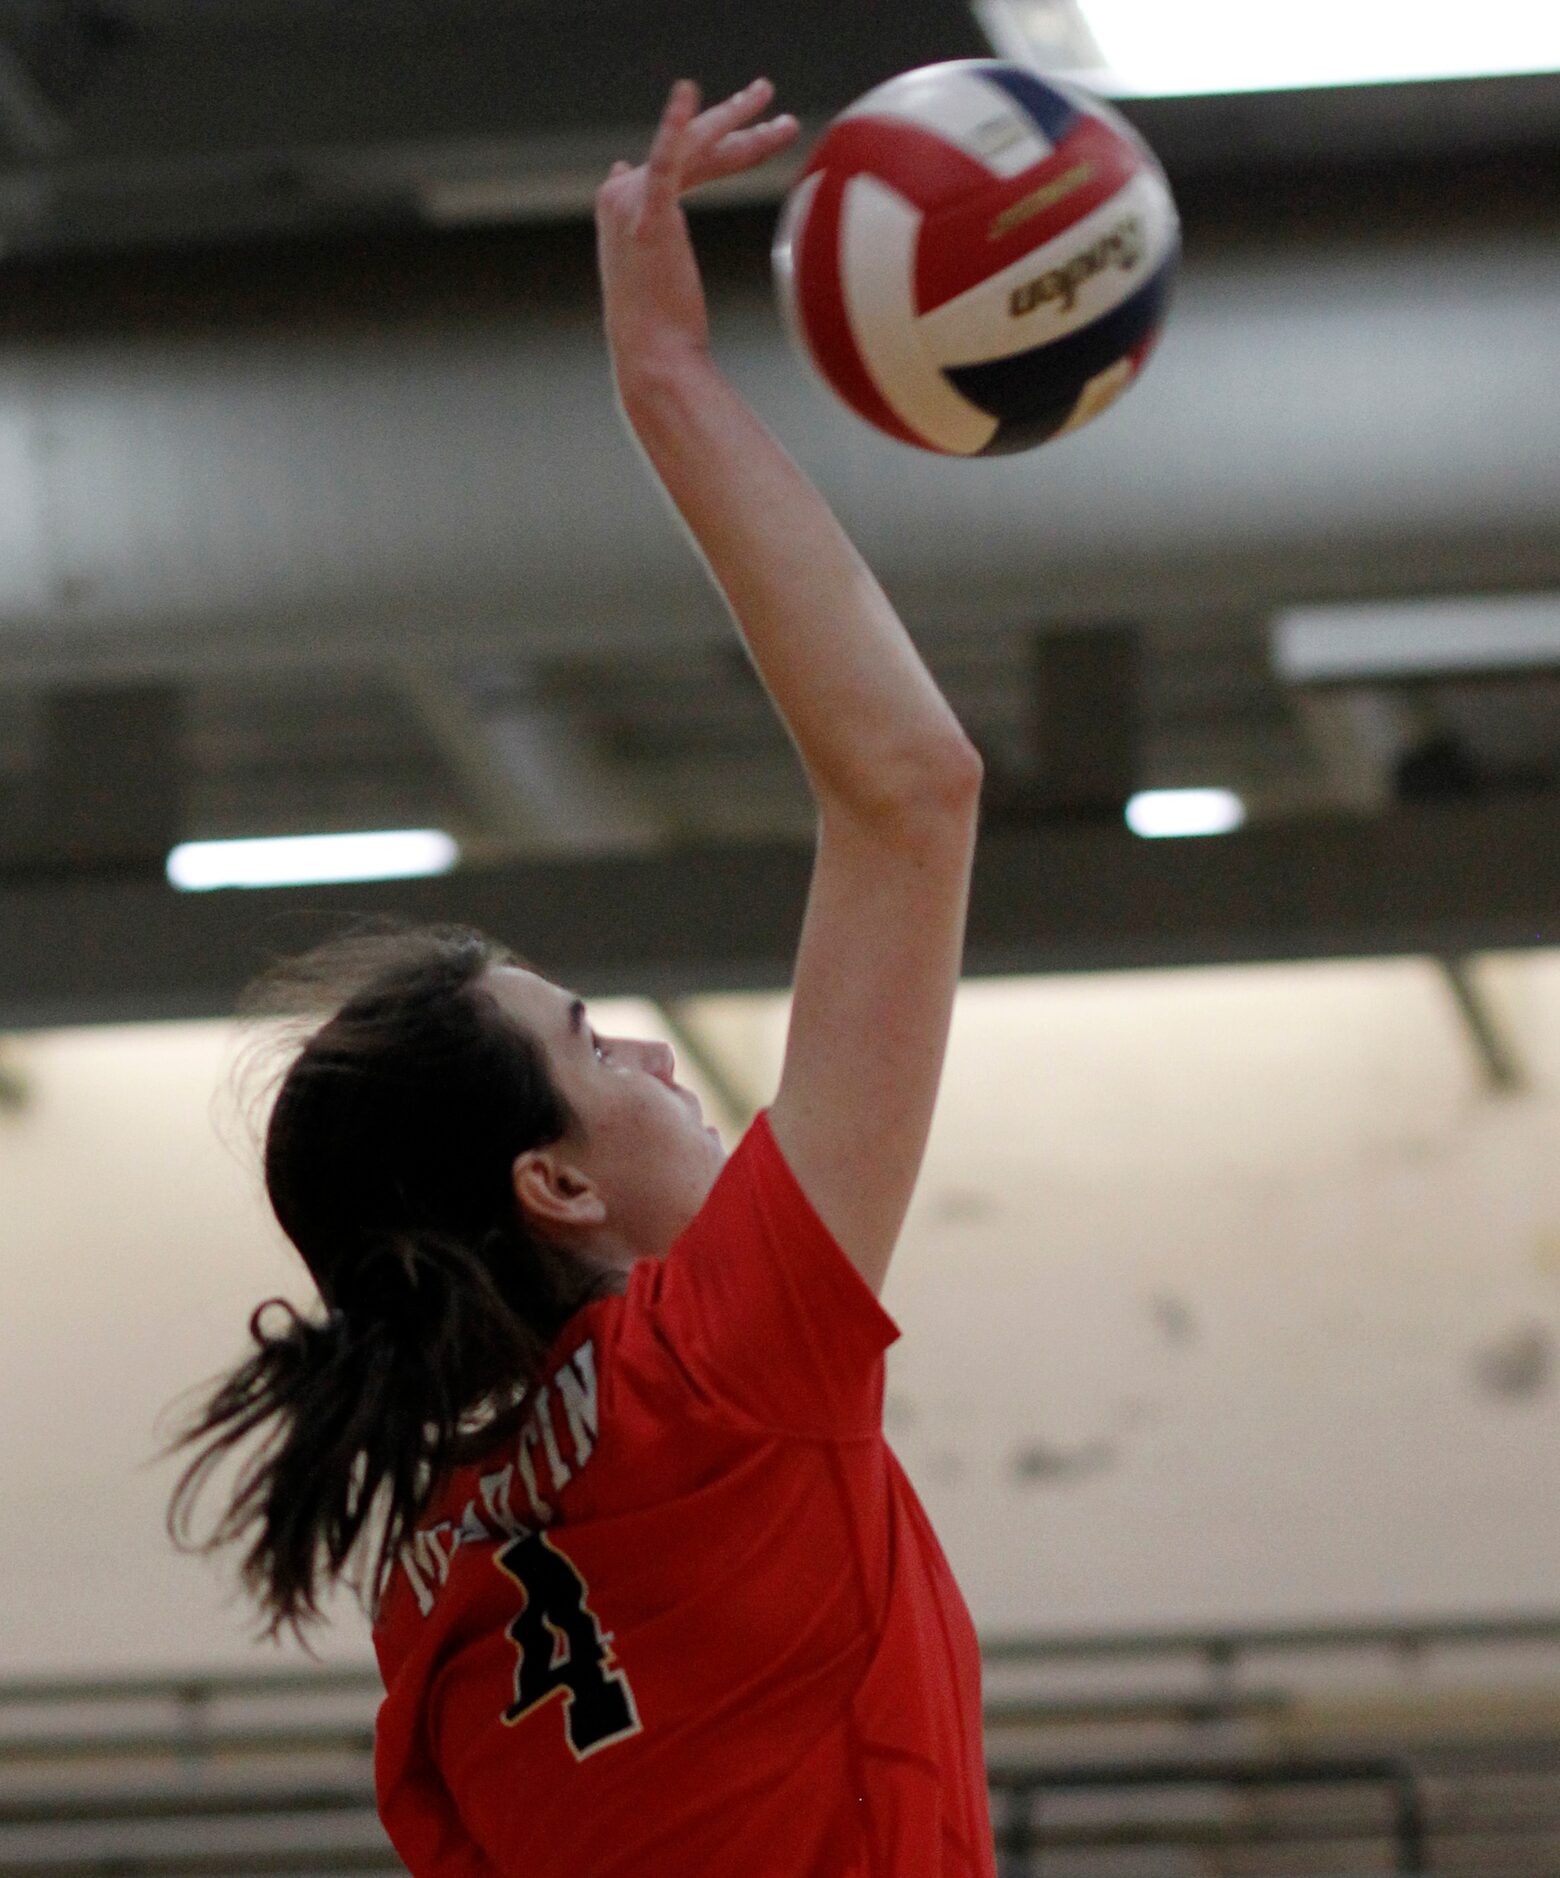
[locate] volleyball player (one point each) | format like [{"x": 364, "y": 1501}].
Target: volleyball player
[{"x": 593, "y": 1415}]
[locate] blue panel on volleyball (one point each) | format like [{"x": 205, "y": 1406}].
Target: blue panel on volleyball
[
  {"x": 1032, "y": 394},
  {"x": 1054, "y": 113}
]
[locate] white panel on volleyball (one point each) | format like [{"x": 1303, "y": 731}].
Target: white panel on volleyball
[
  {"x": 979, "y": 324},
  {"x": 965, "y": 109},
  {"x": 878, "y": 231},
  {"x": 1099, "y": 394}
]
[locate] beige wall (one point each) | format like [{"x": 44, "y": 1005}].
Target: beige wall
[{"x": 1226, "y": 1295}]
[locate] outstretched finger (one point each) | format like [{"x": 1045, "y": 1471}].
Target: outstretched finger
[
  {"x": 742, "y": 150},
  {"x": 710, "y": 126},
  {"x": 669, "y": 152}
]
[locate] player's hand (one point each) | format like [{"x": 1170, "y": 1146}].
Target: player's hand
[{"x": 651, "y": 291}]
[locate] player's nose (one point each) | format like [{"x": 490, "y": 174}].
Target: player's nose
[{"x": 660, "y": 1061}]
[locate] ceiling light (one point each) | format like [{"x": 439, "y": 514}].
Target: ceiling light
[
  {"x": 1144, "y": 48},
  {"x": 1321, "y": 645},
  {"x": 1153, "y": 813},
  {"x": 311, "y": 860}
]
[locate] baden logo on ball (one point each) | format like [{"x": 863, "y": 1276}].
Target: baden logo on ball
[{"x": 976, "y": 259}]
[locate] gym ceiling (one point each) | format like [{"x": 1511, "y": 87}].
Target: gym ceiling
[{"x": 317, "y": 514}]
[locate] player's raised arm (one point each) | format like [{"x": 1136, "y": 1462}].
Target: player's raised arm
[{"x": 895, "y": 779}]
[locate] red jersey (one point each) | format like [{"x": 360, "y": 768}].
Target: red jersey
[{"x": 692, "y": 1619}]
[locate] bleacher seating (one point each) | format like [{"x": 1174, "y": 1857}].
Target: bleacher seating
[{"x": 1153, "y": 1757}]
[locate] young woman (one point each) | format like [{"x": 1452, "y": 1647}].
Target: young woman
[{"x": 599, "y": 1407}]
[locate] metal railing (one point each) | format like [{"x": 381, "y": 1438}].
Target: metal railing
[
  {"x": 1219, "y": 1650},
  {"x": 1022, "y": 1835},
  {"x": 135, "y": 1761},
  {"x": 1222, "y": 1649}
]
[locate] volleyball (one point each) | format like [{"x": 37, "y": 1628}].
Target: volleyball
[{"x": 977, "y": 259}]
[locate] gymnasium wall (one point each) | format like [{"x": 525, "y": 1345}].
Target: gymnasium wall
[{"x": 1228, "y": 1295}]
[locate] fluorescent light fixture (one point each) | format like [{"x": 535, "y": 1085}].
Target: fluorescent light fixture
[
  {"x": 1152, "y": 49},
  {"x": 310, "y": 860},
  {"x": 1336, "y": 645},
  {"x": 1154, "y": 813}
]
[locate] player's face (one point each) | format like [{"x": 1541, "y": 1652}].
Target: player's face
[{"x": 644, "y": 1147}]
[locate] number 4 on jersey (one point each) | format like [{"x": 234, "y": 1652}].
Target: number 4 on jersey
[{"x": 562, "y": 1650}]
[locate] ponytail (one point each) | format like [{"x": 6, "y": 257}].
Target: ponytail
[{"x": 431, "y": 1336}]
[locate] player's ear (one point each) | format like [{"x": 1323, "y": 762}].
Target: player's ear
[{"x": 553, "y": 1194}]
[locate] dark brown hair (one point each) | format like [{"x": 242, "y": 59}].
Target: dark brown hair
[{"x": 388, "y": 1157}]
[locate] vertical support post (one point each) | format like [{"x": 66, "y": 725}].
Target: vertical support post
[
  {"x": 1087, "y": 720},
  {"x": 108, "y": 790}
]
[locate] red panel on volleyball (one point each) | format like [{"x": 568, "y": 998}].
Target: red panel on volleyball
[
  {"x": 958, "y": 250},
  {"x": 821, "y": 307}
]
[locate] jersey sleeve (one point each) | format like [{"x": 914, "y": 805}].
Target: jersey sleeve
[{"x": 763, "y": 1311}]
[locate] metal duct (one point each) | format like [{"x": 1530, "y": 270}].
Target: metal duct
[{"x": 442, "y": 472}]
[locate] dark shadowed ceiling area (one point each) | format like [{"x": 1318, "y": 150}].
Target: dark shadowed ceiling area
[{"x": 318, "y": 514}]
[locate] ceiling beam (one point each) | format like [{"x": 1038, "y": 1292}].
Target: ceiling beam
[
  {"x": 1440, "y": 880},
  {"x": 1500, "y": 1062},
  {"x": 445, "y": 713}
]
